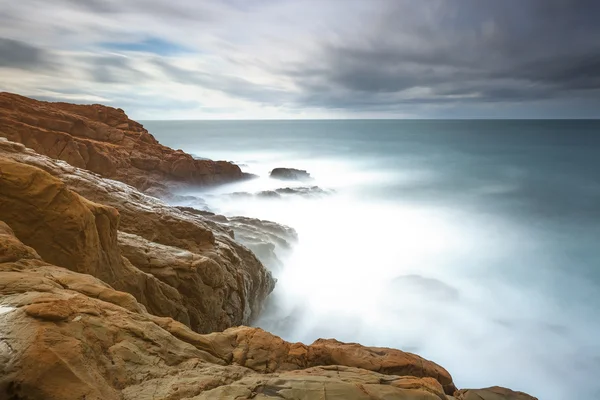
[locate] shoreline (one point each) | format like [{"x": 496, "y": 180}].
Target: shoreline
[{"x": 173, "y": 270}]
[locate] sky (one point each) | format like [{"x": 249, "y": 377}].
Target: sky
[{"x": 281, "y": 59}]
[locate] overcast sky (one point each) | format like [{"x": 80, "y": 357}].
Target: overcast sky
[{"x": 192, "y": 59}]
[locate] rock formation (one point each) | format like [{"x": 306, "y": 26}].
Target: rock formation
[
  {"x": 104, "y": 140},
  {"x": 268, "y": 240},
  {"x": 290, "y": 174},
  {"x": 176, "y": 264}
]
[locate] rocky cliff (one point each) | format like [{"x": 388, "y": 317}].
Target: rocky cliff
[
  {"x": 175, "y": 263},
  {"x": 104, "y": 140},
  {"x": 107, "y": 293}
]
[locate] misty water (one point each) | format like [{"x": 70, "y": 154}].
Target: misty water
[{"x": 472, "y": 243}]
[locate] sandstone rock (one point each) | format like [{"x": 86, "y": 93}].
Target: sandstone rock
[
  {"x": 290, "y": 174},
  {"x": 221, "y": 284},
  {"x": 268, "y": 240},
  {"x": 104, "y": 140}
]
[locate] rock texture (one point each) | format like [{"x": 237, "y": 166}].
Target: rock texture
[
  {"x": 176, "y": 264},
  {"x": 268, "y": 240},
  {"x": 104, "y": 140}
]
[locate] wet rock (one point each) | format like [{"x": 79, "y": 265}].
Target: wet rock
[
  {"x": 290, "y": 174},
  {"x": 269, "y": 240},
  {"x": 282, "y": 193},
  {"x": 268, "y": 194},
  {"x": 306, "y": 191}
]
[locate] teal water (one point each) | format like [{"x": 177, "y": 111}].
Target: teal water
[{"x": 472, "y": 243}]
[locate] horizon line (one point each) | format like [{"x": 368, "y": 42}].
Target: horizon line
[{"x": 369, "y": 119}]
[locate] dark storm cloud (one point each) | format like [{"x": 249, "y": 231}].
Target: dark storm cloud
[
  {"x": 353, "y": 56},
  {"x": 477, "y": 51},
  {"x": 16, "y": 54}
]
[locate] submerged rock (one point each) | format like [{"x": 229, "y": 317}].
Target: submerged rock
[
  {"x": 281, "y": 193},
  {"x": 306, "y": 191},
  {"x": 290, "y": 174}
]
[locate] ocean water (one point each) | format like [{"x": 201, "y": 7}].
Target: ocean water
[{"x": 472, "y": 243}]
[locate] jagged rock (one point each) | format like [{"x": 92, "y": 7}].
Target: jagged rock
[
  {"x": 104, "y": 140},
  {"x": 290, "y": 174},
  {"x": 223, "y": 284},
  {"x": 268, "y": 240}
]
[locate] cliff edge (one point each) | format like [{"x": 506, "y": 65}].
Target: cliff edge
[{"x": 104, "y": 140}]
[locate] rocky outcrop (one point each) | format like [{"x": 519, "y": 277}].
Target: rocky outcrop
[
  {"x": 104, "y": 140},
  {"x": 290, "y": 174},
  {"x": 176, "y": 264},
  {"x": 268, "y": 240}
]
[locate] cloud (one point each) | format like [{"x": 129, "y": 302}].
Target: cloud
[
  {"x": 318, "y": 58},
  {"x": 16, "y": 54}
]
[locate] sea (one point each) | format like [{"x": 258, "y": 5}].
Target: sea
[{"x": 473, "y": 243}]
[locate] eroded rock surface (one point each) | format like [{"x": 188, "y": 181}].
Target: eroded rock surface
[
  {"x": 104, "y": 140},
  {"x": 177, "y": 264},
  {"x": 268, "y": 240}
]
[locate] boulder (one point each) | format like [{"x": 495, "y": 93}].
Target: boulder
[{"x": 290, "y": 174}]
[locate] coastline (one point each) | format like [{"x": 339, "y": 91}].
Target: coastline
[{"x": 177, "y": 274}]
